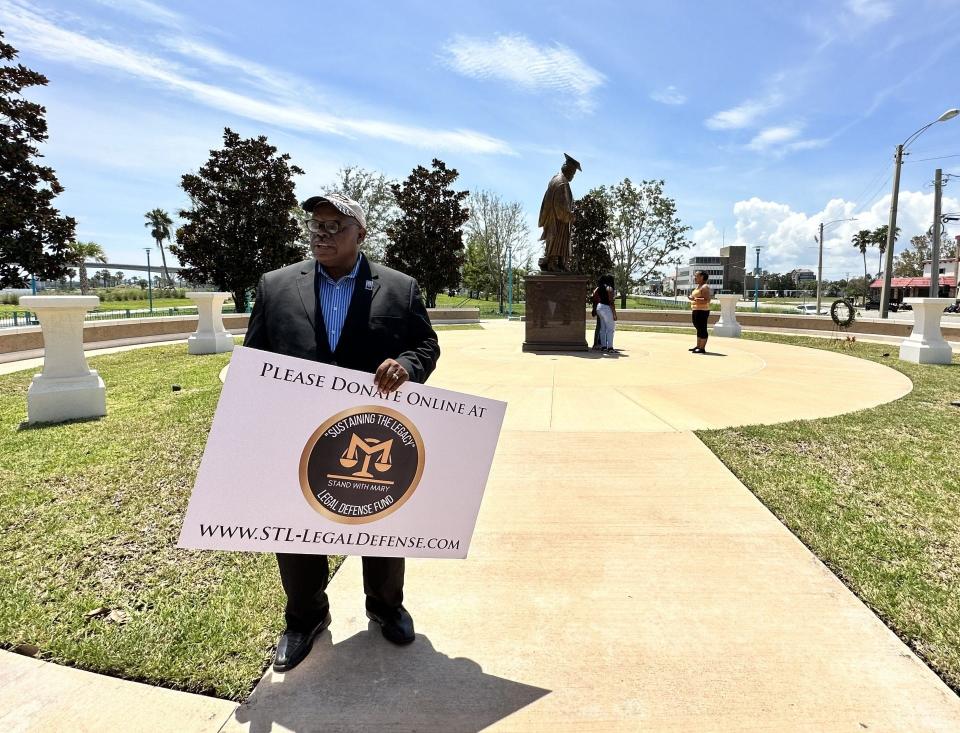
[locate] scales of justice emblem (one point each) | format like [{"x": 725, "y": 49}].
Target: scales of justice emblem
[
  {"x": 361, "y": 464},
  {"x": 369, "y": 447}
]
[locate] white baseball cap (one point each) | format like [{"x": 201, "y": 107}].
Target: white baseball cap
[{"x": 342, "y": 203}]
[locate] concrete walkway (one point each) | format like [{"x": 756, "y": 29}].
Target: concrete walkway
[{"x": 621, "y": 578}]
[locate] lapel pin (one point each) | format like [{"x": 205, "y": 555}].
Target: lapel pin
[{"x": 369, "y": 284}]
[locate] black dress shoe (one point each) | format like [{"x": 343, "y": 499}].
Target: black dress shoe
[
  {"x": 395, "y": 623},
  {"x": 294, "y": 646}
]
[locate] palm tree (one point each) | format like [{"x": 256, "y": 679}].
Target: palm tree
[
  {"x": 861, "y": 240},
  {"x": 161, "y": 222},
  {"x": 880, "y": 239},
  {"x": 79, "y": 253}
]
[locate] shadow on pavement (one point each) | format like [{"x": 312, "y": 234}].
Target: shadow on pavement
[
  {"x": 591, "y": 354},
  {"x": 366, "y": 683}
]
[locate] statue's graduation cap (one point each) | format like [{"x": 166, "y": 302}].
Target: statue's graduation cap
[{"x": 572, "y": 162}]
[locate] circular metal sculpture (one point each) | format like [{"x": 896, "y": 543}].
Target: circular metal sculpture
[{"x": 843, "y": 313}]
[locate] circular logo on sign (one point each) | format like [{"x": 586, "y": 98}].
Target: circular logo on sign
[{"x": 362, "y": 464}]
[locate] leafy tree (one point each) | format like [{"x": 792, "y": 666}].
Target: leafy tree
[
  {"x": 861, "y": 240},
  {"x": 240, "y": 223},
  {"x": 857, "y": 286},
  {"x": 645, "y": 231},
  {"x": 499, "y": 229},
  {"x": 160, "y": 223},
  {"x": 118, "y": 277},
  {"x": 476, "y": 276},
  {"x": 78, "y": 254},
  {"x": 591, "y": 234},
  {"x": 34, "y": 237},
  {"x": 372, "y": 190},
  {"x": 910, "y": 262},
  {"x": 426, "y": 240},
  {"x": 776, "y": 282}
]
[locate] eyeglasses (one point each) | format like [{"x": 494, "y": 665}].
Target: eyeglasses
[{"x": 330, "y": 226}]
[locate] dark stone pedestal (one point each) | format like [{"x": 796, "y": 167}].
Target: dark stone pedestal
[{"x": 556, "y": 313}]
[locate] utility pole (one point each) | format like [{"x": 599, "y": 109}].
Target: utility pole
[
  {"x": 935, "y": 254},
  {"x": 956, "y": 267},
  {"x": 756, "y": 284},
  {"x": 149, "y": 280},
  {"x": 891, "y": 234}
]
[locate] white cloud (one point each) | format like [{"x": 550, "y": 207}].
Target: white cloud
[
  {"x": 671, "y": 95},
  {"x": 782, "y": 139},
  {"x": 516, "y": 59},
  {"x": 787, "y": 237},
  {"x": 148, "y": 11},
  {"x": 265, "y": 78},
  {"x": 28, "y": 30},
  {"x": 746, "y": 114},
  {"x": 810, "y": 144},
  {"x": 773, "y": 136},
  {"x": 870, "y": 11}
]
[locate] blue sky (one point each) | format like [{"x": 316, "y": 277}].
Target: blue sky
[{"x": 763, "y": 118}]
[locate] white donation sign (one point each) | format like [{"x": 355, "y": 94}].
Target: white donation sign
[{"x": 310, "y": 458}]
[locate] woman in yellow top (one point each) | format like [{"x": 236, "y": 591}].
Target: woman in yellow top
[{"x": 700, "y": 302}]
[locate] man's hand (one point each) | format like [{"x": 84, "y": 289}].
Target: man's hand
[{"x": 390, "y": 375}]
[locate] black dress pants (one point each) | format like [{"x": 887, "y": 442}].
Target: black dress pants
[{"x": 305, "y": 577}]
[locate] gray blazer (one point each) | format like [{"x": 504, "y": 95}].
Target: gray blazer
[{"x": 386, "y": 319}]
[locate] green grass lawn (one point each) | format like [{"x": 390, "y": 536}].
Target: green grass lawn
[
  {"x": 113, "y": 305},
  {"x": 488, "y": 308},
  {"x": 91, "y": 514},
  {"x": 875, "y": 494}
]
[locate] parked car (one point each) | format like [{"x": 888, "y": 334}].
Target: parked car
[
  {"x": 810, "y": 309},
  {"x": 874, "y": 305}
]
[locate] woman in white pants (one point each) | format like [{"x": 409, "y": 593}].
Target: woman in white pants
[{"x": 607, "y": 312}]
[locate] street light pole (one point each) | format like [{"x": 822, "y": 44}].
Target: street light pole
[
  {"x": 509, "y": 281},
  {"x": 892, "y": 226},
  {"x": 820, "y": 259},
  {"x": 820, "y": 269},
  {"x": 149, "y": 279},
  {"x": 756, "y": 284}
]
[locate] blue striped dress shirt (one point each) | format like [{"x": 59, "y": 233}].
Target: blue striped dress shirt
[{"x": 333, "y": 300}]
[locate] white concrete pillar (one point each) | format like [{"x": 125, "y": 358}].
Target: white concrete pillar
[
  {"x": 727, "y": 325},
  {"x": 67, "y": 389},
  {"x": 210, "y": 337},
  {"x": 925, "y": 344}
]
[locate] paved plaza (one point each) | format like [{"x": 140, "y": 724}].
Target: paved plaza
[{"x": 620, "y": 577}]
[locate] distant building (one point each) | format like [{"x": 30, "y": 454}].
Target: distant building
[
  {"x": 919, "y": 287},
  {"x": 734, "y": 267},
  {"x": 722, "y": 272},
  {"x": 801, "y": 276}
]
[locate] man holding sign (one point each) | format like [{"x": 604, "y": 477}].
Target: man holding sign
[{"x": 343, "y": 310}]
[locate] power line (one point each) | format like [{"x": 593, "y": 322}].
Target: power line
[
  {"x": 876, "y": 195},
  {"x": 859, "y": 197},
  {"x": 940, "y": 157}
]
